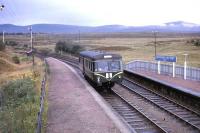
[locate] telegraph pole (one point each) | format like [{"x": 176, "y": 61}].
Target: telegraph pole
[
  {"x": 3, "y": 38},
  {"x": 79, "y": 35},
  {"x": 155, "y": 35},
  {"x": 32, "y": 52}
]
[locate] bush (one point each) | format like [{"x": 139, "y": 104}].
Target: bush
[
  {"x": 68, "y": 47},
  {"x": 76, "y": 49},
  {"x": 195, "y": 42},
  {"x": 25, "y": 45},
  {"x": 11, "y": 43},
  {"x": 16, "y": 59},
  {"x": 2, "y": 46}
]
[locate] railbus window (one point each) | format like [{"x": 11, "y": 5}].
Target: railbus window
[{"x": 105, "y": 66}]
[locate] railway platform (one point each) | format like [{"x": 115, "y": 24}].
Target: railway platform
[
  {"x": 191, "y": 87},
  {"x": 76, "y": 107}
]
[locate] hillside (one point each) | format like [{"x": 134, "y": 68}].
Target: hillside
[{"x": 178, "y": 26}]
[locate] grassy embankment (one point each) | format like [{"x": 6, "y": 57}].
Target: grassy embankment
[{"x": 19, "y": 92}]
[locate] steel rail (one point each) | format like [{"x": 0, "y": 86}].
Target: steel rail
[{"x": 165, "y": 100}]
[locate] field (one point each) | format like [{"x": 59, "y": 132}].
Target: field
[{"x": 132, "y": 46}]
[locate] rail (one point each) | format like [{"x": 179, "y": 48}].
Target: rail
[
  {"x": 167, "y": 69},
  {"x": 171, "y": 107},
  {"x": 42, "y": 96},
  {"x": 134, "y": 117}
]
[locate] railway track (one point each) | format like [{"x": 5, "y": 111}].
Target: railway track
[
  {"x": 135, "y": 118},
  {"x": 184, "y": 114}
]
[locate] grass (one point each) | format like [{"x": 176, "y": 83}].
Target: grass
[
  {"x": 20, "y": 115},
  {"x": 20, "y": 106},
  {"x": 132, "y": 46}
]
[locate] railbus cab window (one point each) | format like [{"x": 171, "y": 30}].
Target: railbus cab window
[{"x": 104, "y": 66}]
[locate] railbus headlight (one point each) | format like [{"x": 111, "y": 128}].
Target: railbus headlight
[{"x": 98, "y": 79}]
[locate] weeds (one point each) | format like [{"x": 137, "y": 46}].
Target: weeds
[
  {"x": 16, "y": 59},
  {"x": 19, "y": 106}
]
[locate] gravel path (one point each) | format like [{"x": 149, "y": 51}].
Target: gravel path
[{"x": 72, "y": 109}]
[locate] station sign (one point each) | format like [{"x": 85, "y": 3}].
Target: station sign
[{"x": 166, "y": 58}]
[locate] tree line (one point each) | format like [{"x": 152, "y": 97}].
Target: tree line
[{"x": 68, "y": 47}]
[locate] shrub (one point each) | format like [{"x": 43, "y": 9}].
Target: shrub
[
  {"x": 11, "y": 43},
  {"x": 68, "y": 47},
  {"x": 76, "y": 49},
  {"x": 195, "y": 42},
  {"x": 25, "y": 45},
  {"x": 16, "y": 59}
]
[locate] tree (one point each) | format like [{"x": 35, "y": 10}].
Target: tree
[
  {"x": 68, "y": 47},
  {"x": 76, "y": 49},
  {"x": 195, "y": 42}
]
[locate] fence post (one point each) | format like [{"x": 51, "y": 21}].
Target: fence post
[
  {"x": 185, "y": 66},
  {"x": 174, "y": 69},
  {"x": 185, "y": 70},
  {"x": 158, "y": 67}
]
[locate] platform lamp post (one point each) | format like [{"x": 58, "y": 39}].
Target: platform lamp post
[{"x": 185, "y": 66}]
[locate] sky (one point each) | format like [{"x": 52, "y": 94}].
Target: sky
[{"x": 99, "y": 12}]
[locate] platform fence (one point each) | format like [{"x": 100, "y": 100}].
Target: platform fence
[
  {"x": 166, "y": 69},
  {"x": 42, "y": 100}
]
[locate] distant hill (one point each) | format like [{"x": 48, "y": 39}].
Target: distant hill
[{"x": 178, "y": 26}]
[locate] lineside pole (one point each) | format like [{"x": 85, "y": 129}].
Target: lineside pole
[
  {"x": 32, "y": 46},
  {"x": 3, "y": 37}
]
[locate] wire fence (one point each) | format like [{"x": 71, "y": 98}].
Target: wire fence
[
  {"x": 42, "y": 99},
  {"x": 167, "y": 69}
]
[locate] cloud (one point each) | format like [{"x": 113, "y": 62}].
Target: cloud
[{"x": 100, "y": 12}]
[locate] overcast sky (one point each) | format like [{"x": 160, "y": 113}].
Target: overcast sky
[{"x": 99, "y": 12}]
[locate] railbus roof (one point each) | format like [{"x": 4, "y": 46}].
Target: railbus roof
[{"x": 98, "y": 55}]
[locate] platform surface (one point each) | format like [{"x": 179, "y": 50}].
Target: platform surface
[
  {"x": 189, "y": 86},
  {"x": 72, "y": 108}
]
